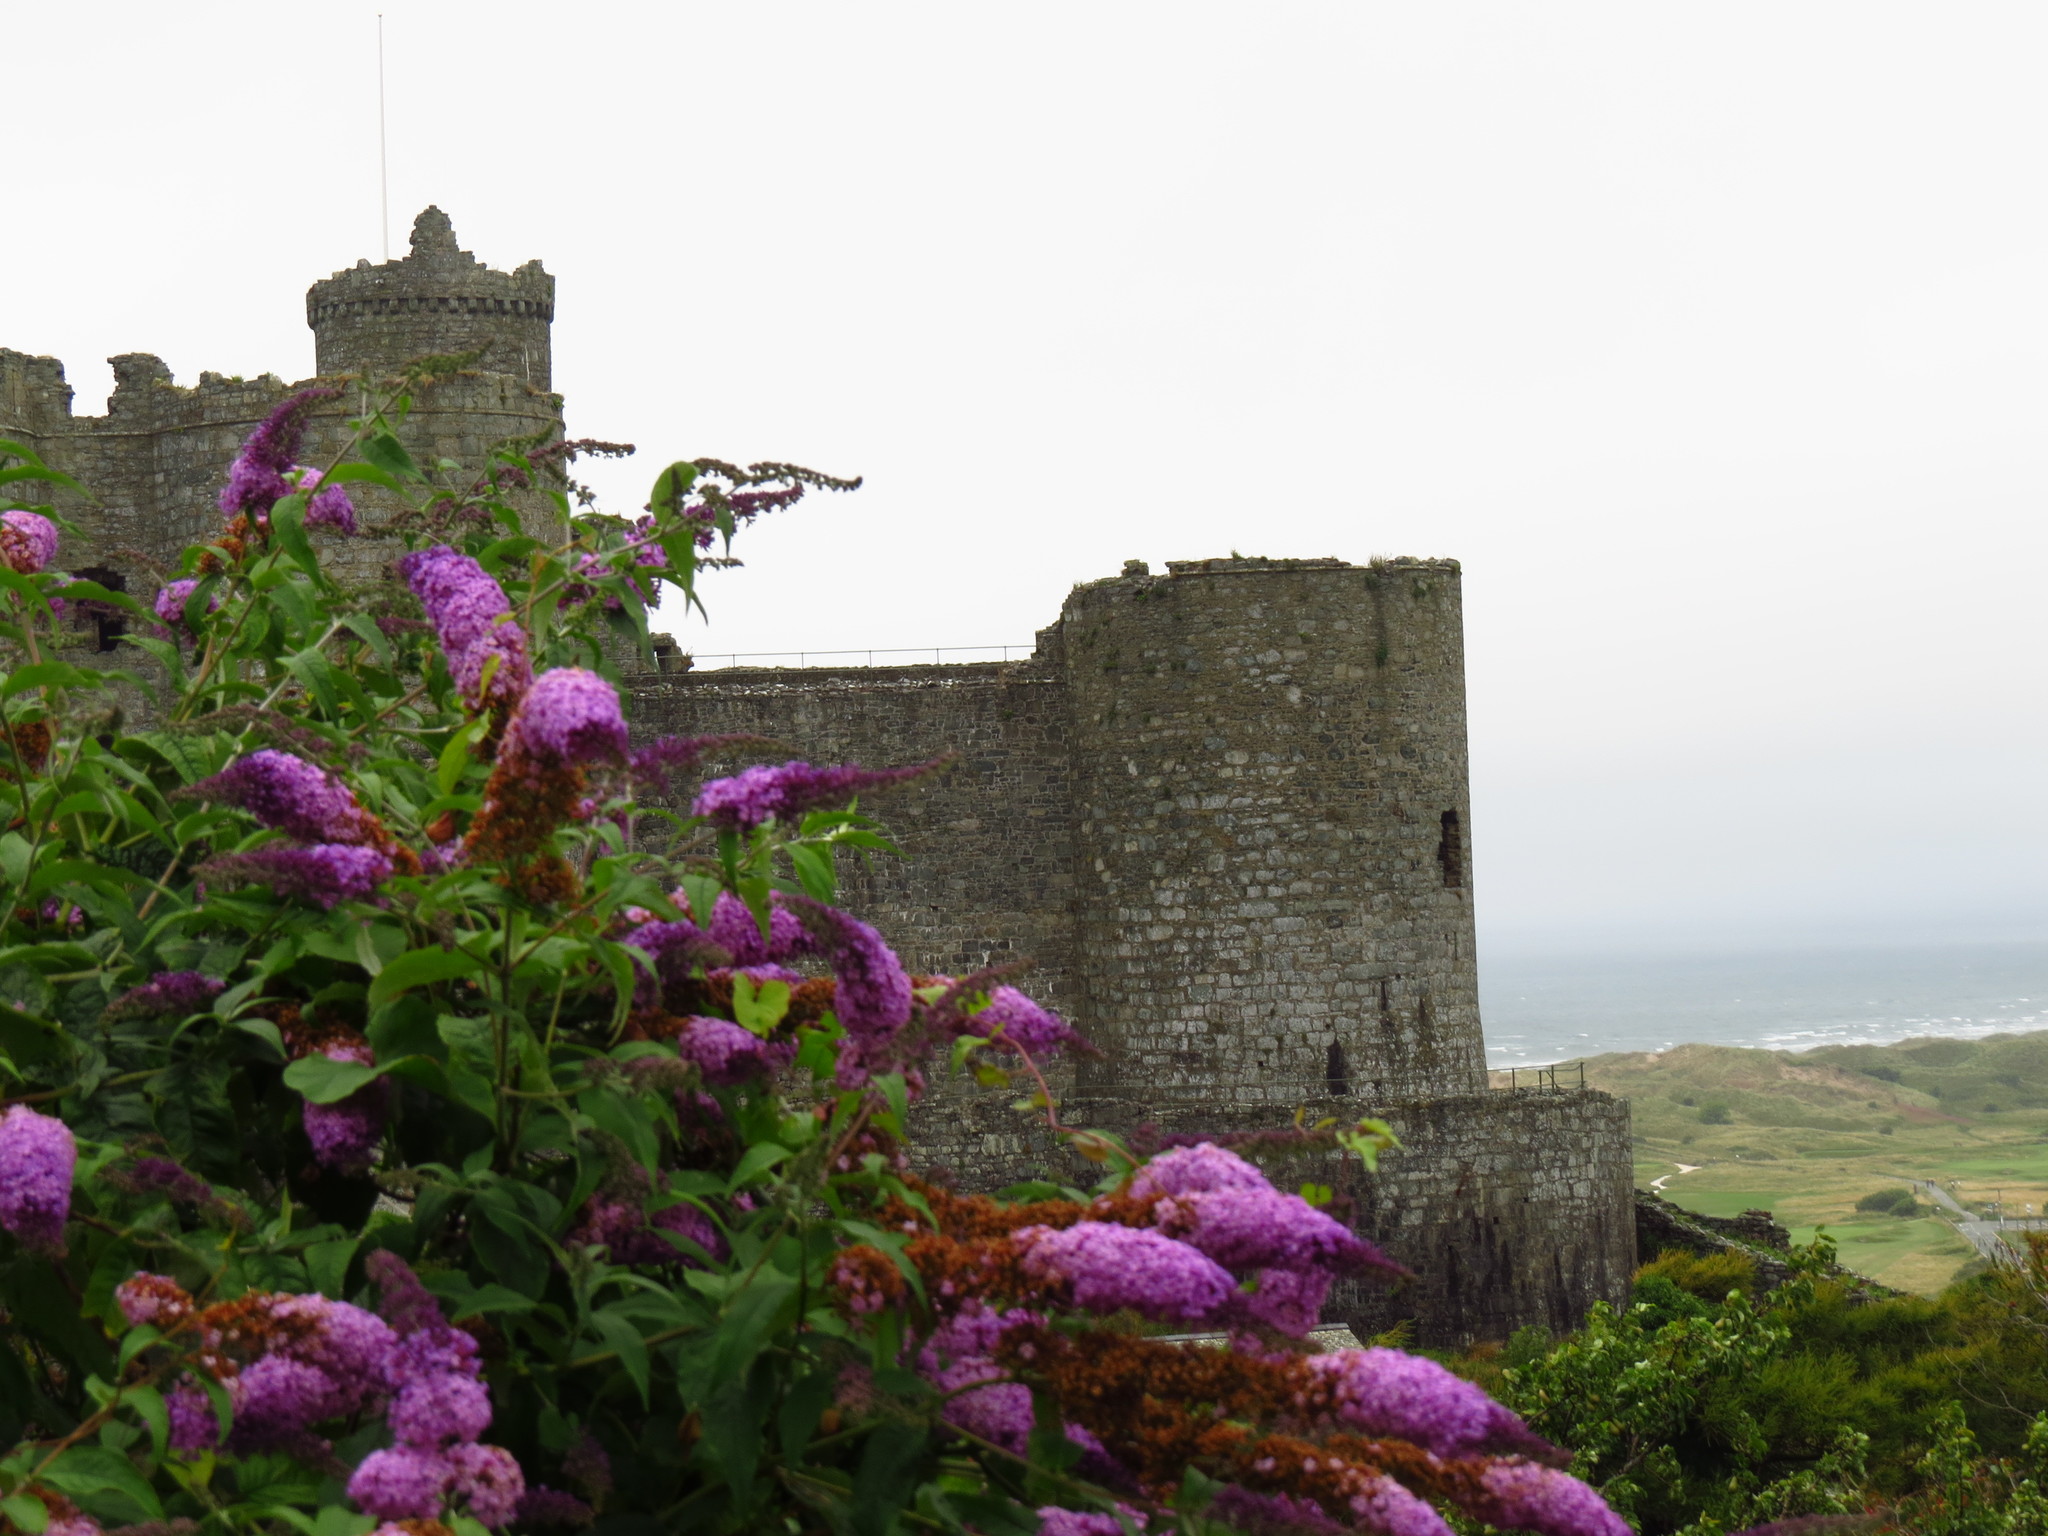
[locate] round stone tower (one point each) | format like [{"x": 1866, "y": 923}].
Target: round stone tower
[
  {"x": 1269, "y": 769},
  {"x": 438, "y": 299}
]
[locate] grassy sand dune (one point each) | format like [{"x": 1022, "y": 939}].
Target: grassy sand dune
[{"x": 1806, "y": 1135}]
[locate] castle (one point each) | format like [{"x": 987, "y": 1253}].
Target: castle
[{"x": 1223, "y": 810}]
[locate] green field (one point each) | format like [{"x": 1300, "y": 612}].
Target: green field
[{"x": 1806, "y": 1135}]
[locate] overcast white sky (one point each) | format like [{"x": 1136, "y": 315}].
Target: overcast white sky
[{"x": 1712, "y": 340}]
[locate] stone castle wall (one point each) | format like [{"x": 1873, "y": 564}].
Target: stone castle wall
[{"x": 1222, "y": 812}]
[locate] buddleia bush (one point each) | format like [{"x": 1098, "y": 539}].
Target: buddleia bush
[{"x": 429, "y": 1108}]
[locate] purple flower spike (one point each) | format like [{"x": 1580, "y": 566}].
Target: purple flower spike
[
  {"x": 1519, "y": 1495},
  {"x": 434, "y": 1410},
  {"x": 1388, "y": 1393},
  {"x": 570, "y": 716},
  {"x": 1189, "y": 1170},
  {"x": 256, "y": 480},
  {"x": 179, "y": 992},
  {"x": 170, "y": 602},
  {"x": 1289, "y": 1301},
  {"x": 746, "y": 800},
  {"x": 873, "y": 999},
  {"x": 324, "y": 875},
  {"x": 728, "y": 1054},
  {"x": 194, "y": 1426},
  {"x": 734, "y": 929},
  {"x": 1017, "y": 1019},
  {"x": 653, "y": 763},
  {"x": 28, "y": 541},
  {"x": 1261, "y": 1513},
  {"x": 403, "y": 1483},
  {"x": 1053, "y": 1521},
  {"x": 330, "y": 508},
  {"x": 37, "y": 1156},
  {"x": 490, "y": 1478},
  {"x": 1111, "y": 1267},
  {"x": 542, "y": 1505},
  {"x": 292, "y": 795},
  {"x": 1247, "y": 1229},
  {"x": 345, "y": 1134},
  {"x": 277, "y": 1402},
  {"x": 472, "y": 618}
]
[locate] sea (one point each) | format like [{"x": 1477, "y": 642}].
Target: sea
[{"x": 1550, "y": 1007}]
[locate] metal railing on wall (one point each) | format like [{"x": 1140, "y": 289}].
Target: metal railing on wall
[
  {"x": 1545, "y": 1079},
  {"x": 938, "y": 654}
]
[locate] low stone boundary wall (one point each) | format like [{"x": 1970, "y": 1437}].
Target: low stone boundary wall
[{"x": 1512, "y": 1208}]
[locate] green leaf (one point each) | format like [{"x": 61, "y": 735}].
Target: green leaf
[
  {"x": 455, "y": 756},
  {"x": 671, "y": 486},
  {"x": 288, "y": 527},
  {"x": 25, "y": 1514},
  {"x": 608, "y": 1112},
  {"x": 327, "y": 1265},
  {"x": 622, "y": 1336},
  {"x": 419, "y": 968},
  {"x": 888, "y": 1471},
  {"x": 149, "y": 1403},
  {"x": 488, "y": 1298},
  {"x": 105, "y": 1483},
  {"x": 388, "y": 454},
  {"x": 758, "y": 1160},
  {"x": 703, "y": 892},
  {"x": 354, "y": 470},
  {"x": 323, "y": 1080},
  {"x": 760, "y": 1008},
  {"x": 43, "y": 674},
  {"x": 815, "y": 870}
]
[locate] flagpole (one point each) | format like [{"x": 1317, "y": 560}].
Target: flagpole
[{"x": 383, "y": 165}]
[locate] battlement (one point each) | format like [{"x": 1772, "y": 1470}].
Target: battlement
[{"x": 437, "y": 298}]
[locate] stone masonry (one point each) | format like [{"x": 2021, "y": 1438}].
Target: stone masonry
[{"x": 1221, "y": 810}]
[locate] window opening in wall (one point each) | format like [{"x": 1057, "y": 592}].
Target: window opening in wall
[
  {"x": 1336, "y": 1071},
  {"x": 1450, "y": 851},
  {"x": 110, "y": 623}
]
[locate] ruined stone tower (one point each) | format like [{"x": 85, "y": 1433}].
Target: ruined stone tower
[
  {"x": 1222, "y": 811},
  {"x": 153, "y": 463},
  {"x": 1268, "y": 765}
]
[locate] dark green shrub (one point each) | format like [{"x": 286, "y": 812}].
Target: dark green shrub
[{"x": 1716, "y": 1114}]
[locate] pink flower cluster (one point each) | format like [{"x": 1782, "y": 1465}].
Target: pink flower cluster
[
  {"x": 171, "y": 600},
  {"x": 37, "y": 1159},
  {"x": 28, "y": 541}
]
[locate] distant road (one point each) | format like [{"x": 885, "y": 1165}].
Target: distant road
[{"x": 1979, "y": 1233}]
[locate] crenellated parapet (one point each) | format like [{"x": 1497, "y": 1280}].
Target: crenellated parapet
[{"x": 438, "y": 298}]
